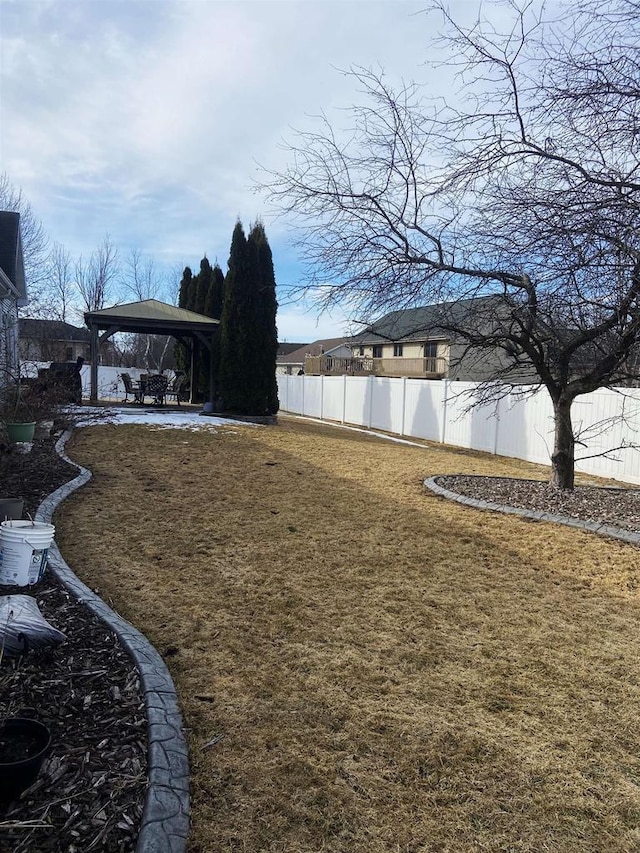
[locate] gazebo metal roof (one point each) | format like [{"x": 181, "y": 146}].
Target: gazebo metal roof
[{"x": 148, "y": 317}]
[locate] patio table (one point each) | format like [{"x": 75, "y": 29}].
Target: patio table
[{"x": 154, "y": 385}]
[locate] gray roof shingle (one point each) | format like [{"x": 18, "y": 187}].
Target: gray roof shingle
[
  {"x": 315, "y": 348},
  {"x": 52, "y": 330},
  {"x": 418, "y": 324}
]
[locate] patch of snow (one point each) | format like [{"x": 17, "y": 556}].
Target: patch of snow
[{"x": 160, "y": 420}]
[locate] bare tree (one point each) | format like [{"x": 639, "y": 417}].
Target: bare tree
[
  {"x": 95, "y": 277},
  {"x": 61, "y": 285},
  {"x": 141, "y": 278},
  {"x": 143, "y": 281},
  {"x": 525, "y": 188},
  {"x": 35, "y": 242},
  {"x": 172, "y": 283}
]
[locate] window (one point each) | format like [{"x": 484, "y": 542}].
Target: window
[
  {"x": 377, "y": 351},
  {"x": 69, "y": 354},
  {"x": 430, "y": 349},
  {"x": 360, "y": 350},
  {"x": 397, "y": 350}
]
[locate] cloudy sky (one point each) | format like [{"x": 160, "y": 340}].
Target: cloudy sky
[{"x": 147, "y": 119}]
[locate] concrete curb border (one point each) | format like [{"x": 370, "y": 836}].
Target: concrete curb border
[
  {"x": 165, "y": 818},
  {"x": 588, "y": 526}
]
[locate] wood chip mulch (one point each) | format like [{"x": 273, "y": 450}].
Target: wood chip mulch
[
  {"x": 619, "y": 507},
  {"x": 90, "y": 792}
]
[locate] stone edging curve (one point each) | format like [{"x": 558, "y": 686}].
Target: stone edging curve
[
  {"x": 589, "y": 526},
  {"x": 165, "y": 818}
]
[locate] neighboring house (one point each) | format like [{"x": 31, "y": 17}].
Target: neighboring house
[
  {"x": 13, "y": 290},
  {"x": 52, "y": 340},
  {"x": 403, "y": 343},
  {"x": 413, "y": 342},
  {"x": 286, "y": 348},
  {"x": 330, "y": 349}
]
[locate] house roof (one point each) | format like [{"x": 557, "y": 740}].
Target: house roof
[
  {"x": 324, "y": 346},
  {"x": 426, "y": 322},
  {"x": 11, "y": 257},
  {"x": 51, "y": 330},
  {"x": 285, "y": 349}
]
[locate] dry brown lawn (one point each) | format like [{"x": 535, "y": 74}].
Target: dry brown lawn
[{"x": 389, "y": 671}]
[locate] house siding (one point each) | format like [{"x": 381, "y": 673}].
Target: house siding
[
  {"x": 8, "y": 338},
  {"x": 410, "y": 349},
  {"x": 32, "y": 349}
]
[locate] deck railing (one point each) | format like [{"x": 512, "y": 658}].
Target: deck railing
[{"x": 327, "y": 365}]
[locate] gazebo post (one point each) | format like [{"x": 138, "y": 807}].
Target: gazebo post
[
  {"x": 207, "y": 343},
  {"x": 93, "y": 352},
  {"x": 212, "y": 378},
  {"x": 192, "y": 371}
]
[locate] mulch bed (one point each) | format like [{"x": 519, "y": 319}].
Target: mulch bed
[
  {"x": 618, "y": 507},
  {"x": 90, "y": 792}
]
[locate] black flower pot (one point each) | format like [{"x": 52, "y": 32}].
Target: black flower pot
[
  {"x": 23, "y": 746},
  {"x": 11, "y": 508}
]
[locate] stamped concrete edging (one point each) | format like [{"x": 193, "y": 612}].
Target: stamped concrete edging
[
  {"x": 165, "y": 818},
  {"x": 589, "y": 526}
]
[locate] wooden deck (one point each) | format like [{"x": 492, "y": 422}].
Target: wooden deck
[{"x": 420, "y": 368}]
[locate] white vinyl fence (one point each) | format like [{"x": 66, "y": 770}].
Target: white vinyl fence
[{"x": 514, "y": 426}]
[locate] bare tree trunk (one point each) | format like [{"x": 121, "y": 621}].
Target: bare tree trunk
[
  {"x": 563, "y": 456},
  {"x": 164, "y": 352},
  {"x": 147, "y": 352}
]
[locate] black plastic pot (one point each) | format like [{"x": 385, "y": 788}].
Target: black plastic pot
[
  {"x": 23, "y": 746},
  {"x": 11, "y": 508}
]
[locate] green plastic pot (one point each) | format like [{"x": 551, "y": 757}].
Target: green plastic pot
[{"x": 21, "y": 432}]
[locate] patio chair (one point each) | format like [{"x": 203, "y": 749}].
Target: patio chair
[
  {"x": 174, "y": 390},
  {"x": 130, "y": 387},
  {"x": 156, "y": 387}
]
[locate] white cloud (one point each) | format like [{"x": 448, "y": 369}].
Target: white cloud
[
  {"x": 298, "y": 324},
  {"x": 146, "y": 119}
]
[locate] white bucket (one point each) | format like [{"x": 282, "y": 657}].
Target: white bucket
[{"x": 24, "y": 546}]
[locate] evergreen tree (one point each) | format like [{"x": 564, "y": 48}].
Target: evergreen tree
[
  {"x": 185, "y": 283},
  {"x": 203, "y": 284},
  {"x": 200, "y": 288},
  {"x": 213, "y": 308},
  {"x": 248, "y": 335},
  {"x": 180, "y": 351},
  {"x": 232, "y": 345},
  {"x": 215, "y": 294},
  {"x": 203, "y": 294},
  {"x": 265, "y": 332},
  {"x": 190, "y": 295}
]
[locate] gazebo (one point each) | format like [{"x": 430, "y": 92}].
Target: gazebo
[{"x": 149, "y": 317}]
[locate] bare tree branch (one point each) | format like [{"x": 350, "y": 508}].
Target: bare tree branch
[
  {"x": 526, "y": 188},
  {"x": 95, "y": 277},
  {"x": 35, "y": 242}
]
